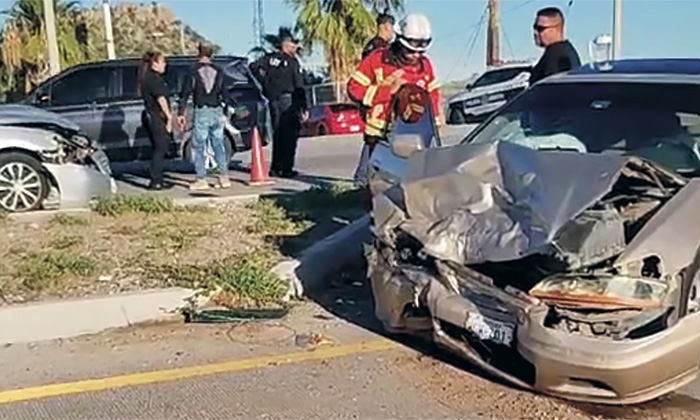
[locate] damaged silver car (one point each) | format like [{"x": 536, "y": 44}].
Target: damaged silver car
[
  {"x": 46, "y": 163},
  {"x": 557, "y": 247}
]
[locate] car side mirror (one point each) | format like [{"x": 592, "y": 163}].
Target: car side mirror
[
  {"x": 469, "y": 86},
  {"x": 42, "y": 99},
  {"x": 405, "y": 145}
]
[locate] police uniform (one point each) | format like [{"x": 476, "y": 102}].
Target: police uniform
[{"x": 280, "y": 75}]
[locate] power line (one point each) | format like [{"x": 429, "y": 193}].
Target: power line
[
  {"x": 512, "y": 9},
  {"x": 474, "y": 37}
]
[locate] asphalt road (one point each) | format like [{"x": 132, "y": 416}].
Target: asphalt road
[
  {"x": 327, "y": 359},
  {"x": 319, "y": 159}
]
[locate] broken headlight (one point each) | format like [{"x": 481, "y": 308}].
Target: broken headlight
[{"x": 601, "y": 292}]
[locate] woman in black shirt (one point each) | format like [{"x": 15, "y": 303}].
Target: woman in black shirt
[{"x": 158, "y": 117}]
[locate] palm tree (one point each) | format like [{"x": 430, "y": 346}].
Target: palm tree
[
  {"x": 24, "y": 49},
  {"x": 342, "y": 27}
]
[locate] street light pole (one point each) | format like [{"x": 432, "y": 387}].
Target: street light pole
[
  {"x": 617, "y": 30},
  {"x": 51, "y": 40},
  {"x": 109, "y": 35}
]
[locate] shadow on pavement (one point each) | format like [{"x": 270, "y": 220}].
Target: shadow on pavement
[{"x": 348, "y": 295}]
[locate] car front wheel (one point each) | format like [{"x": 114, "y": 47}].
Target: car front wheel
[{"x": 22, "y": 183}]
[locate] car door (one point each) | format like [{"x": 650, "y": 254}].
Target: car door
[{"x": 78, "y": 94}]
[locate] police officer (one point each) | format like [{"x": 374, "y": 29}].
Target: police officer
[
  {"x": 280, "y": 75},
  {"x": 385, "y": 33}
]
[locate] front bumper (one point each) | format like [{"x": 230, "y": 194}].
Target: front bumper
[
  {"x": 78, "y": 184},
  {"x": 611, "y": 372},
  {"x": 539, "y": 359}
]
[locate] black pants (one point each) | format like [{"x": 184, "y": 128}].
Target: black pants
[
  {"x": 286, "y": 126},
  {"x": 160, "y": 140}
]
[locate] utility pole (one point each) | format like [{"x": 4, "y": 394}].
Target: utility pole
[
  {"x": 109, "y": 36},
  {"x": 493, "y": 38},
  {"x": 258, "y": 23},
  {"x": 617, "y": 30},
  {"x": 51, "y": 39}
]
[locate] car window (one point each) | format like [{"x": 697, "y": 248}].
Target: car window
[
  {"x": 174, "y": 76},
  {"x": 84, "y": 86},
  {"x": 130, "y": 82},
  {"x": 499, "y": 76},
  {"x": 342, "y": 107},
  {"x": 660, "y": 122}
]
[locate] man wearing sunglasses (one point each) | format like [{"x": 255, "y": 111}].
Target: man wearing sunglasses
[
  {"x": 559, "y": 55},
  {"x": 380, "y": 76}
]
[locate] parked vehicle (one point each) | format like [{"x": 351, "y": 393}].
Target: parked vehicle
[
  {"x": 103, "y": 99},
  {"x": 47, "y": 163},
  {"x": 488, "y": 93},
  {"x": 558, "y": 246},
  {"x": 330, "y": 119}
]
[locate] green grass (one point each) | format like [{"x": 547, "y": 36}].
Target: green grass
[
  {"x": 65, "y": 242},
  {"x": 68, "y": 220},
  {"x": 245, "y": 275},
  {"x": 43, "y": 270},
  {"x": 272, "y": 219},
  {"x": 120, "y": 204}
]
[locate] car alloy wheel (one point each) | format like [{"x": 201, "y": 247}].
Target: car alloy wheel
[{"x": 21, "y": 186}]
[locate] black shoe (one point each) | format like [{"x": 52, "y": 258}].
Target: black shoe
[
  {"x": 289, "y": 174},
  {"x": 274, "y": 173},
  {"x": 159, "y": 186}
]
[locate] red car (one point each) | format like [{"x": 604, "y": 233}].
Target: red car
[{"x": 339, "y": 118}]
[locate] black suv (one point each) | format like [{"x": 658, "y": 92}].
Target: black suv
[{"x": 102, "y": 98}]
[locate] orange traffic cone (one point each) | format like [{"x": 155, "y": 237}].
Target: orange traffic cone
[{"x": 258, "y": 172}]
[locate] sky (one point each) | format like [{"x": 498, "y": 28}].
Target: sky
[{"x": 651, "y": 28}]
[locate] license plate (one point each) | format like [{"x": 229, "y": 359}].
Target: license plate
[
  {"x": 489, "y": 329},
  {"x": 354, "y": 128}
]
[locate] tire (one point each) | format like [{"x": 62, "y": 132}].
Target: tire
[
  {"x": 457, "y": 117},
  {"x": 322, "y": 130},
  {"x": 33, "y": 186}
]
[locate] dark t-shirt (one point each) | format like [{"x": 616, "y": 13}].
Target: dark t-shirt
[
  {"x": 154, "y": 87},
  {"x": 557, "y": 58},
  {"x": 206, "y": 82}
]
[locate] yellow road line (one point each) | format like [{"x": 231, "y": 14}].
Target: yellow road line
[{"x": 92, "y": 385}]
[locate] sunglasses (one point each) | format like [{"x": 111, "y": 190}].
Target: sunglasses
[
  {"x": 418, "y": 43},
  {"x": 540, "y": 28}
]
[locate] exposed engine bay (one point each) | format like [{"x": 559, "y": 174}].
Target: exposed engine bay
[{"x": 572, "y": 274}]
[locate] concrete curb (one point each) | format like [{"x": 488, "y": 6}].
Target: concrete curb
[
  {"x": 65, "y": 319},
  {"x": 324, "y": 257},
  {"x": 47, "y": 321}
]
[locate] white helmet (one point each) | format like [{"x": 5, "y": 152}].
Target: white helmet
[{"x": 414, "y": 32}]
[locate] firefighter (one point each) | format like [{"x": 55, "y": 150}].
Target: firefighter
[
  {"x": 280, "y": 75},
  {"x": 385, "y": 32},
  {"x": 380, "y": 76}
]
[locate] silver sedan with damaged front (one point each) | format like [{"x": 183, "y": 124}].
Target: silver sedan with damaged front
[
  {"x": 46, "y": 163},
  {"x": 543, "y": 256}
]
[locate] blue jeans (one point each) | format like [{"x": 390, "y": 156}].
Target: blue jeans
[{"x": 209, "y": 128}]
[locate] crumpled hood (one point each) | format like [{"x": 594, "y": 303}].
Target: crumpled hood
[
  {"x": 25, "y": 115},
  {"x": 478, "y": 203}
]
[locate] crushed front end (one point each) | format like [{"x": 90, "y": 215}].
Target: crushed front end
[{"x": 570, "y": 274}]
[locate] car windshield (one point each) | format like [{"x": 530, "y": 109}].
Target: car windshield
[
  {"x": 499, "y": 76},
  {"x": 342, "y": 107},
  {"x": 658, "y": 121}
]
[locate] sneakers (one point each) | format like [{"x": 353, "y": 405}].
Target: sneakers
[
  {"x": 199, "y": 185},
  {"x": 224, "y": 182}
]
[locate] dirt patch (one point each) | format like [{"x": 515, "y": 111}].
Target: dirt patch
[{"x": 135, "y": 243}]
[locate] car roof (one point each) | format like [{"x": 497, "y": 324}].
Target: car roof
[{"x": 678, "y": 70}]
